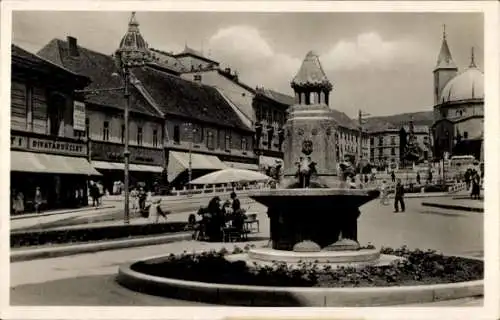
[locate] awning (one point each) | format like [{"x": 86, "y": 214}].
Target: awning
[
  {"x": 239, "y": 165},
  {"x": 178, "y": 162},
  {"x": 265, "y": 161},
  {"x": 48, "y": 163},
  {"x": 104, "y": 165}
]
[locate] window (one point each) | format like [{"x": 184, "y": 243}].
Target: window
[
  {"x": 105, "y": 131},
  {"x": 210, "y": 140},
  {"x": 393, "y": 140},
  {"x": 122, "y": 133},
  {"x": 177, "y": 134},
  {"x": 393, "y": 151},
  {"x": 244, "y": 144},
  {"x": 155, "y": 138},
  {"x": 228, "y": 142},
  {"x": 87, "y": 127},
  {"x": 466, "y": 135},
  {"x": 372, "y": 141},
  {"x": 381, "y": 141},
  {"x": 139, "y": 136}
]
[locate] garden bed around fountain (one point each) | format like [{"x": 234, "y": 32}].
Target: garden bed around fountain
[{"x": 210, "y": 277}]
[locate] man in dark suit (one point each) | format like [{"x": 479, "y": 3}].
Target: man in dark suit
[{"x": 399, "y": 197}]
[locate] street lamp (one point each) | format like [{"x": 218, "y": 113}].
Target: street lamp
[
  {"x": 133, "y": 52},
  {"x": 191, "y": 131}
]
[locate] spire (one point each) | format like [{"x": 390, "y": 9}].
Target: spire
[
  {"x": 311, "y": 74},
  {"x": 472, "y": 61},
  {"x": 445, "y": 61},
  {"x": 133, "y": 25}
]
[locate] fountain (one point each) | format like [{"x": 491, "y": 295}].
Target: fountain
[
  {"x": 313, "y": 225},
  {"x": 314, "y": 211}
]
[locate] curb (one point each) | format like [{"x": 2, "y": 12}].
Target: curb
[
  {"x": 53, "y": 252},
  {"x": 244, "y": 295},
  {"x": 34, "y": 215},
  {"x": 453, "y": 207}
]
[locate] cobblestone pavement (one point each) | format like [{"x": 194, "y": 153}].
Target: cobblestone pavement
[{"x": 87, "y": 279}]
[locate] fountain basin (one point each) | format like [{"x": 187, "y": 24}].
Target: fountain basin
[
  {"x": 319, "y": 215},
  {"x": 250, "y": 295},
  {"x": 270, "y": 255}
]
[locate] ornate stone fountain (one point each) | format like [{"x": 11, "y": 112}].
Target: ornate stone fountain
[{"x": 314, "y": 212}]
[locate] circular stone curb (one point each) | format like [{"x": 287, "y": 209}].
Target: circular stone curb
[
  {"x": 266, "y": 254},
  {"x": 245, "y": 295}
]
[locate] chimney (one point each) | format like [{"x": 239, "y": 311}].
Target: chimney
[{"x": 73, "y": 47}]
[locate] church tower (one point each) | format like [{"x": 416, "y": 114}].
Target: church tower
[{"x": 445, "y": 69}]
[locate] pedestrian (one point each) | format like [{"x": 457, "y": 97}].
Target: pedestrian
[
  {"x": 418, "y": 177},
  {"x": 134, "y": 197},
  {"x": 38, "y": 199},
  {"x": 393, "y": 176},
  {"x": 19, "y": 203},
  {"x": 383, "y": 193},
  {"x": 100, "y": 193},
  {"x": 399, "y": 197}
]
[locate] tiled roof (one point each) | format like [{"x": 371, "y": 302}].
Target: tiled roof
[
  {"x": 176, "y": 96},
  {"x": 343, "y": 120},
  {"x": 311, "y": 72},
  {"x": 18, "y": 52},
  {"x": 445, "y": 61},
  {"x": 277, "y": 96},
  {"x": 168, "y": 60},
  {"x": 101, "y": 69},
  {"x": 194, "y": 53}
]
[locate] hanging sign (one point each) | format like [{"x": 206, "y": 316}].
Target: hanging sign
[{"x": 79, "y": 116}]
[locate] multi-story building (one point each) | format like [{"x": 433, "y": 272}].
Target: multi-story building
[
  {"x": 386, "y": 150},
  {"x": 458, "y": 106},
  {"x": 48, "y": 143},
  {"x": 175, "y": 125}
]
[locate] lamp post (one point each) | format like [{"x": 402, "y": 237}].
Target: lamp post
[
  {"x": 133, "y": 52},
  {"x": 191, "y": 131}
]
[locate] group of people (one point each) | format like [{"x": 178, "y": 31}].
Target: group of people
[
  {"x": 399, "y": 193},
  {"x": 18, "y": 205},
  {"x": 96, "y": 191},
  {"x": 216, "y": 217},
  {"x": 473, "y": 183}
]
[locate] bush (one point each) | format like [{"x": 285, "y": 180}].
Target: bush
[
  {"x": 78, "y": 235},
  {"x": 417, "y": 267}
]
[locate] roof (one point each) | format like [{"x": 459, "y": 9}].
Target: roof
[
  {"x": 234, "y": 78},
  {"x": 18, "y": 52},
  {"x": 421, "y": 118},
  {"x": 100, "y": 69},
  {"x": 176, "y": 96},
  {"x": 468, "y": 85},
  {"x": 311, "y": 73},
  {"x": 168, "y": 60},
  {"x": 194, "y": 53},
  {"x": 445, "y": 61},
  {"x": 277, "y": 96}
]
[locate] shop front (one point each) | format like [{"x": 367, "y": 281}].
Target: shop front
[
  {"x": 146, "y": 166},
  {"x": 57, "y": 167}
]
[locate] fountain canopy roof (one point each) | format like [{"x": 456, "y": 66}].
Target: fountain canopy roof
[{"x": 311, "y": 75}]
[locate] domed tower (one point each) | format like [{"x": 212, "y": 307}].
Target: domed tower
[
  {"x": 133, "y": 50},
  {"x": 310, "y": 128},
  {"x": 445, "y": 69}
]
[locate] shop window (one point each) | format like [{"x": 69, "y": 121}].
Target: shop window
[
  {"x": 177, "y": 134},
  {"x": 87, "y": 127},
  {"x": 105, "y": 131},
  {"x": 155, "y": 138},
  {"x": 210, "y": 140},
  {"x": 227, "y": 142},
  {"x": 122, "y": 134},
  {"x": 139, "y": 136}
]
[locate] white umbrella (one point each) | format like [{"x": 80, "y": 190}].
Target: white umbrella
[{"x": 230, "y": 175}]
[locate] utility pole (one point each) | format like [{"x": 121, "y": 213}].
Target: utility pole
[{"x": 360, "y": 144}]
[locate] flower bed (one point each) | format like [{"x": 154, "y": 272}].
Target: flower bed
[
  {"x": 417, "y": 268},
  {"x": 91, "y": 234}
]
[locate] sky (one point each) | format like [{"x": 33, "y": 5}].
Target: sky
[{"x": 380, "y": 63}]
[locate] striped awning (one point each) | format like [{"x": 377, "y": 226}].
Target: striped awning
[
  {"x": 48, "y": 163},
  {"x": 239, "y": 165},
  {"x": 105, "y": 165},
  {"x": 178, "y": 162}
]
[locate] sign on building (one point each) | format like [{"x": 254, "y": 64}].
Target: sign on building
[{"x": 79, "y": 116}]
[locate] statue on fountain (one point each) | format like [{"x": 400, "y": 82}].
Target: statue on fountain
[{"x": 306, "y": 168}]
